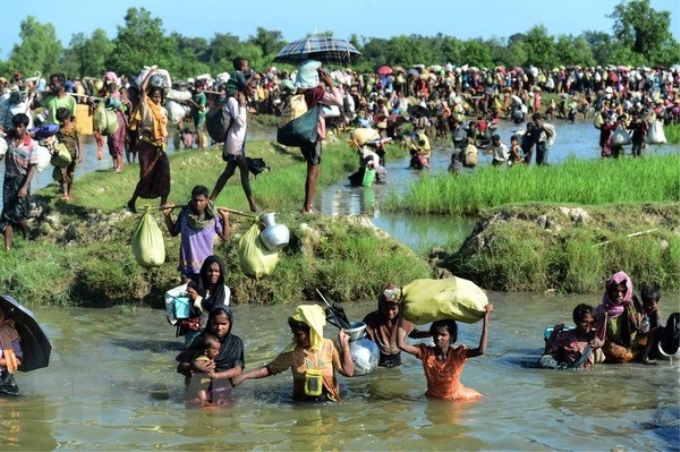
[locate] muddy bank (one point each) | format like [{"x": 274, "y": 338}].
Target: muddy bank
[{"x": 568, "y": 248}]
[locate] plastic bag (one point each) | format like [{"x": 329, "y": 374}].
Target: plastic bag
[
  {"x": 44, "y": 157},
  {"x": 255, "y": 259},
  {"x": 620, "y": 137},
  {"x": 656, "y": 134},
  {"x": 105, "y": 121},
  {"x": 427, "y": 300},
  {"x": 147, "y": 242}
]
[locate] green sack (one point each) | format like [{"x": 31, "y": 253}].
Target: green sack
[
  {"x": 301, "y": 131},
  {"x": 369, "y": 177},
  {"x": 105, "y": 121},
  {"x": 147, "y": 241},
  {"x": 254, "y": 258},
  {"x": 61, "y": 158},
  {"x": 427, "y": 300}
]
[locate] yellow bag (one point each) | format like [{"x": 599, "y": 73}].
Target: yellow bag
[
  {"x": 105, "y": 120},
  {"x": 254, "y": 258},
  {"x": 427, "y": 300},
  {"x": 313, "y": 382},
  {"x": 147, "y": 241}
]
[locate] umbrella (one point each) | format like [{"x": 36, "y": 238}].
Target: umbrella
[
  {"x": 326, "y": 49},
  {"x": 398, "y": 69},
  {"x": 34, "y": 344},
  {"x": 384, "y": 70}
]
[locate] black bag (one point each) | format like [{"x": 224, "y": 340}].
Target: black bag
[
  {"x": 301, "y": 131},
  {"x": 218, "y": 121},
  {"x": 671, "y": 334},
  {"x": 256, "y": 166}
]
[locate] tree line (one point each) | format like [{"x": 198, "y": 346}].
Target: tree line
[{"x": 640, "y": 36}]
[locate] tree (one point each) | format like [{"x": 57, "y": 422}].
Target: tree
[
  {"x": 39, "y": 49},
  {"x": 269, "y": 41},
  {"x": 540, "y": 47},
  {"x": 141, "y": 42},
  {"x": 477, "y": 53},
  {"x": 571, "y": 51},
  {"x": 87, "y": 56},
  {"x": 642, "y": 29}
]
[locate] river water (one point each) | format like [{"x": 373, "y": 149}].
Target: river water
[{"x": 111, "y": 383}]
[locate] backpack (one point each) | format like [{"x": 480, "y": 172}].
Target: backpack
[
  {"x": 218, "y": 121},
  {"x": 670, "y": 343}
]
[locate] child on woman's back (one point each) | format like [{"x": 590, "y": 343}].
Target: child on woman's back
[
  {"x": 443, "y": 363},
  {"x": 198, "y": 386}
]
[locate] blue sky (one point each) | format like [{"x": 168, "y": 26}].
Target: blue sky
[{"x": 295, "y": 19}]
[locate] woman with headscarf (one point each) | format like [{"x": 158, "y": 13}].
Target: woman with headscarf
[
  {"x": 382, "y": 327},
  {"x": 620, "y": 316},
  {"x": 312, "y": 359},
  {"x": 228, "y": 363},
  {"x": 204, "y": 296},
  {"x": 150, "y": 120},
  {"x": 10, "y": 354}
]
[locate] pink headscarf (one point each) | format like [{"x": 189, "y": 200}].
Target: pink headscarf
[{"x": 610, "y": 307}]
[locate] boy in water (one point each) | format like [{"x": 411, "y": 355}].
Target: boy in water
[{"x": 648, "y": 340}]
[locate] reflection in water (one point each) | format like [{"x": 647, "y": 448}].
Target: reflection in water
[{"x": 25, "y": 423}]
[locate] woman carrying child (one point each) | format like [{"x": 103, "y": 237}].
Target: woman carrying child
[
  {"x": 223, "y": 366},
  {"x": 443, "y": 364}
]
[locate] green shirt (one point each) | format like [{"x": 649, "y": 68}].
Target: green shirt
[{"x": 52, "y": 103}]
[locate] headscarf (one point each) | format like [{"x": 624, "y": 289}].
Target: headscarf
[
  {"x": 609, "y": 306},
  {"x": 314, "y": 317},
  {"x": 8, "y": 334},
  {"x": 159, "y": 130},
  {"x": 231, "y": 348},
  {"x": 216, "y": 298},
  {"x": 198, "y": 224}
]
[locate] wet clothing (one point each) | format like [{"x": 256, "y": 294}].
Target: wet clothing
[
  {"x": 384, "y": 333},
  {"x": 300, "y": 359},
  {"x": 69, "y": 137},
  {"x": 443, "y": 378}
]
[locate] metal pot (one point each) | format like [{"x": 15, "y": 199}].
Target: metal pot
[
  {"x": 274, "y": 236},
  {"x": 356, "y": 331}
]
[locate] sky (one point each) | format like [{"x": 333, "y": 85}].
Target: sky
[{"x": 295, "y": 18}]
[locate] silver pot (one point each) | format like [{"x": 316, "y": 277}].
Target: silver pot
[
  {"x": 356, "y": 331},
  {"x": 274, "y": 236}
]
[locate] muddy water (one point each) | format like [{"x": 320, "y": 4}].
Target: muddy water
[{"x": 112, "y": 386}]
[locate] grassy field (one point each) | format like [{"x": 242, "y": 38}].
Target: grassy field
[
  {"x": 588, "y": 182},
  {"x": 81, "y": 253}
]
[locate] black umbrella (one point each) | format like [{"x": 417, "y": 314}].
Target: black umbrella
[{"x": 34, "y": 344}]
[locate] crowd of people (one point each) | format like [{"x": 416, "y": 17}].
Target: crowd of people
[{"x": 436, "y": 101}]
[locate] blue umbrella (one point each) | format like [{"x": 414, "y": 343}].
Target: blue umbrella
[
  {"x": 326, "y": 49},
  {"x": 34, "y": 344}
]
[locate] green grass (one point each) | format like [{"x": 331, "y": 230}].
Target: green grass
[
  {"x": 88, "y": 259},
  {"x": 588, "y": 182},
  {"x": 672, "y": 133}
]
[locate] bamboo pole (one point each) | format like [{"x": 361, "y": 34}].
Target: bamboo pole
[
  {"x": 236, "y": 212},
  {"x": 634, "y": 234}
]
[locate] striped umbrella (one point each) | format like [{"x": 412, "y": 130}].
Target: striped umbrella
[{"x": 326, "y": 49}]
